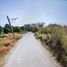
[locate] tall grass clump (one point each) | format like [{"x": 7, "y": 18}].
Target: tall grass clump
[
  {"x": 57, "y": 44},
  {"x": 55, "y": 37}
]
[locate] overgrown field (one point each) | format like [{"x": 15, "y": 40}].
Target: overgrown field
[{"x": 55, "y": 37}]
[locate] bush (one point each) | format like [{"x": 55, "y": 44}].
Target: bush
[
  {"x": 38, "y": 35},
  {"x": 44, "y": 37}
]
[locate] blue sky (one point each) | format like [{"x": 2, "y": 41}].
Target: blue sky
[{"x": 33, "y": 11}]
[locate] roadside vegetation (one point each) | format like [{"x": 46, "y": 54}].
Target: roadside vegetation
[
  {"x": 55, "y": 37},
  {"x": 7, "y": 40},
  {"x": 8, "y": 36}
]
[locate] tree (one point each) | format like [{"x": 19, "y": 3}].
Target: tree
[
  {"x": 27, "y": 27},
  {"x": 16, "y": 29},
  {"x": 40, "y": 25},
  {"x": 7, "y": 28}
]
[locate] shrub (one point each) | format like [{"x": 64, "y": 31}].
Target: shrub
[
  {"x": 38, "y": 35},
  {"x": 44, "y": 37}
]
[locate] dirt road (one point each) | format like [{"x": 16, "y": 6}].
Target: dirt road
[{"x": 30, "y": 53}]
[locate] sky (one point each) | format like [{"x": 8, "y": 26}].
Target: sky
[{"x": 33, "y": 11}]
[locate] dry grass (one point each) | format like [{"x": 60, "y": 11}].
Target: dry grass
[
  {"x": 7, "y": 42},
  {"x": 4, "y": 50}
]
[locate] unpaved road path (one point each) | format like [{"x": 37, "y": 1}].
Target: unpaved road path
[{"x": 30, "y": 53}]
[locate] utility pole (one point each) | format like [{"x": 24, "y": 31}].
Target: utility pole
[
  {"x": 2, "y": 32},
  {"x": 10, "y": 25}
]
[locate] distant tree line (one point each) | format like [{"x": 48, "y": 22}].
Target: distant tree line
[{"x": 27, "y": 27}]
